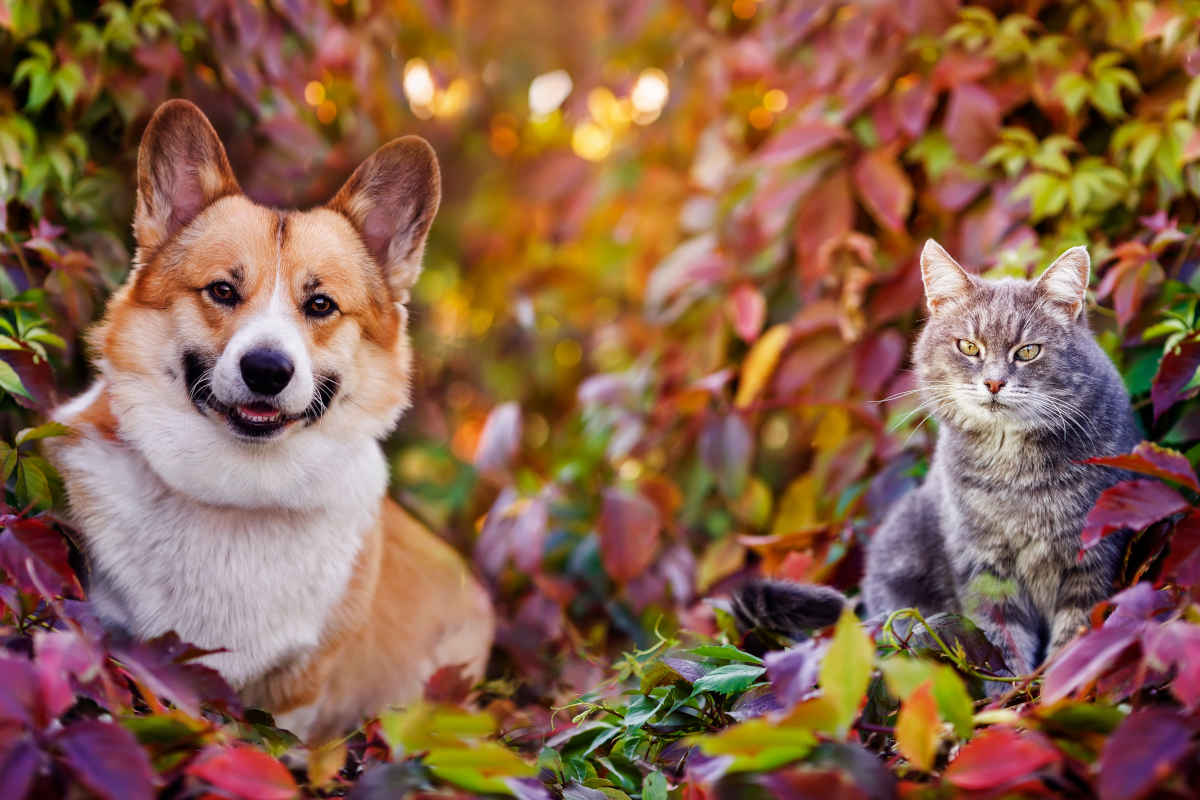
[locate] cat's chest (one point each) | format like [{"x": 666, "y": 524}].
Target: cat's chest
[{"x": 257, "y": 583}]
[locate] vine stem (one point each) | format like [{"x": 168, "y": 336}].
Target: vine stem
[{"x": 959, "y": 662}]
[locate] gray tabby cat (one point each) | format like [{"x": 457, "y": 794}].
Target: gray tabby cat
[{"x": 1022, "y": 393}]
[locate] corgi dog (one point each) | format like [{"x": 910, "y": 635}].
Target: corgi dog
[{"x": 224, "y": 470}]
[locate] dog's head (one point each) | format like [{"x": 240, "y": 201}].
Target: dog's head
[{"x": 258, "y": 329}]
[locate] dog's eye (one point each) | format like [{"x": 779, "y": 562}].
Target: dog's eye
[
  {"x": 320, "y": 305},
  {"x": 222, "y": 292},
  {"x": 967, "y": 347},
  {"x": 1028, "y": 353}
]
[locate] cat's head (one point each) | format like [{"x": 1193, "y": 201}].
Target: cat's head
[{"x": 1004, "y": 353}]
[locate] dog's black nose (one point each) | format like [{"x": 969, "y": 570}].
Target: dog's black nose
[{"x": 266, "y": 371}]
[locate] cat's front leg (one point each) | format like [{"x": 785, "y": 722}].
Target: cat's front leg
[{"x": 1065, "y": 626}]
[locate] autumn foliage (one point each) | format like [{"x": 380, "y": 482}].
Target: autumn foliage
[{"x": 662, "y": 340}]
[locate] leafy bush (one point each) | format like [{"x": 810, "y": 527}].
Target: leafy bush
[{"x": 652, "y": 358}]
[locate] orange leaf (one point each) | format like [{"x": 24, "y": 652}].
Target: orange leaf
[{"x": 917, "y": 727}]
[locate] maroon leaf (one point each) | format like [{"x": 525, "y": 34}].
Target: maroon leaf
[
  {"x": 245, "y": 772},
  {"x": 1085, "y": 659},
  {"x": 1175, "y": 371},
  {"x": 1183, "y": 561},
  {"x": 824, "y": 216},
  {"x": 884, "y": 188},
  {"x": 747, "y": 311},
  {"x": 162, "y": 666},
  {"x": 107, "y": 759},
  {"x": 1142, "y": 753},
  {"x": 1151, "y": 459},
  {"x": 972, "y": 121},
  {"x": 1130, "y": 504},
  {"x": 726, "y": 446},
  {"x": 500, "y": 438},
  {"x": 1176, "y": 644},
  {"x": 801, "y": 140},
  {"x": 34, "y": 554},
  {"x": 998, "y": 757},
  {"x": 449, "y": 684},
  {"x": 629, "y": 527}
]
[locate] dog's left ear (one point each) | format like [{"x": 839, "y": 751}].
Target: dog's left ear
[{"x": 391, "y": 199}]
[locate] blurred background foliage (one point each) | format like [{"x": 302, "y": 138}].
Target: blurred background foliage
[{"x": 674, "y": 276}]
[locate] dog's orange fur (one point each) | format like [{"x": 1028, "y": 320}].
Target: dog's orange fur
[{"x": 411, "y": 604}]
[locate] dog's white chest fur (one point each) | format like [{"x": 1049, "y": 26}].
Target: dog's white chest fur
[{"x": 259, "y": 582}]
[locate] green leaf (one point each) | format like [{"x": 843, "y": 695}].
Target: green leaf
[
  {"x": 11, "y": 382},
  {"x": 903, "y": 674},
  {"x": 33, "y": 488},
  {"x": 654, "y": 786},
  {"x": 726, "y": 651},
  {"x": 43, "y": 431},
  {"x": 846, "y": 670},
  {"x": 729, "y": 679},
  {"x": 757, "y": 745},
  {"x": 482, "y": 767}
]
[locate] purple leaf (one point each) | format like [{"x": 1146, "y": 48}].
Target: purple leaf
[
  {"x": 20, "y": 698},
  {"x": 1142, "y": 752},
  {"x": 793, "y": 672},
  {"x": 726, "y": 446},
  {"x": 107, "y": 759},
  {"x": 20, "y": 762},
  {"x": 34, "y": 554},
  {"x": 499, "y": 440},
  {"x": 1085, "y": 659},
  {"x": 1151, "y": 459},
  {"x": 62, "y": 655},
  {"x": 162, "y": 666},
  {"x": 1176, "y": 644}
]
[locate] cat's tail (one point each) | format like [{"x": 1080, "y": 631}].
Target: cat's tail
[{"x": 790, "y": 609}]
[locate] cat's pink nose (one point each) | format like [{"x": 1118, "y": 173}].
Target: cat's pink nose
[{"x": 994, "y": 386}]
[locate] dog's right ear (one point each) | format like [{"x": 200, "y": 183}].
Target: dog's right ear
[{"x": 182, "y": 168}]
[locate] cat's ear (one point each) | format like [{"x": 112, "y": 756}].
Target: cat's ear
[
  {"x": 944, "y": 278},
  {"x": 182, "y": 168},
  {"x": 391, "y": 199},
  {"x": 1065, "y": 282}
]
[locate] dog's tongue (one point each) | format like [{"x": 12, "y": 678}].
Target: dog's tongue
[{"x": 259, "y": 412}]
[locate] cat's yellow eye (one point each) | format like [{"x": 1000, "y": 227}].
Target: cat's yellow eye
[
  {"x": 967, "y": 347},
  {"x": 1028, "y": 353}
]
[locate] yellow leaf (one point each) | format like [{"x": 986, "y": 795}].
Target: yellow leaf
[
  {"x": 832, "y": 430},
  {"x": 721, "y": 559},
  {"x": 917, "y": 727},
  {"x": 325, "y": 762},
  {"x": 798, "y": 506},
  {"x": 760, "y": 363},
  {"x": 846, "y": 670}
]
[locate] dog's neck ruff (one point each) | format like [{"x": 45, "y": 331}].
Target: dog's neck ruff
[{"x": 230, "y": 545}]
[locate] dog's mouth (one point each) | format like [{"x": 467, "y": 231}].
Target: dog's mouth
[{"x": 260, "y": 419}]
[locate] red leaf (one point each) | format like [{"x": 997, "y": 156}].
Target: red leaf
[
  {"x": 1175, "y": 370},
  {"x": 1151, "y": 459},
  {"x": 1085, "y": 659},
  {"x": 1130, "y": 504},
  {"x": 1183, "y": 561},
  {"x": 972, "y": 121},
  {"x": 747, "y": 311},
  {"x": 629, "y": 527},
  {"x": 824, "y": 216},
  {"x": 33, "y": 553},
  {"x": 800, "y": 140},
  {"x": 998, "y": 757},
  {"x": 449, "y": 684},
  {"x": 884, "y": 188},
  {"x": 1142, "y": 753},
  {"x": 108, "y": 760},
  {"x": 246, "y": 772},
  {"x": 499, "y": 439}
]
